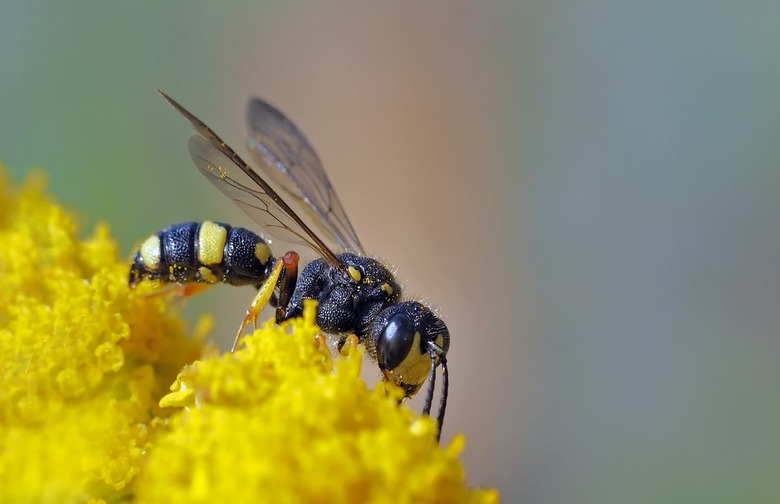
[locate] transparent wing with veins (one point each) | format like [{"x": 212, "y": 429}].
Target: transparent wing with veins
[
  {"x": 220, "y": 164},
  {"x": 284, "y": 154},
  {"x": 221, "y": 172}
]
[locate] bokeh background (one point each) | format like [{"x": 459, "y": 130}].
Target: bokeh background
[{"x": 589, "y": 191}]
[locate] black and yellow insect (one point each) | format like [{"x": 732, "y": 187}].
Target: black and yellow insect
[
  {"x": 356, "y": 294},
  {"x": 203, "y": 252}
]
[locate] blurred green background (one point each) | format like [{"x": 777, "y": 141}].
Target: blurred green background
[{"x": 588, "y": 191}]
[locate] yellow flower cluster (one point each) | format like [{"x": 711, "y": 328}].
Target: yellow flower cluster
[
  {"x": 87, "y": 413},
  {"x": 283, "y": 424},
  {"x": 82, "y": 363}
]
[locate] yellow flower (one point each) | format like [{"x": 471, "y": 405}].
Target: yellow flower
[
  {"x": 82, "y": 363},
  {"x": 88, "y": 413}
]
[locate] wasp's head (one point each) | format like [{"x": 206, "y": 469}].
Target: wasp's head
[{"x": 408, "y": 339}]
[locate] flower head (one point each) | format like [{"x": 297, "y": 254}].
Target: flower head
[{"x": 82, "y": 362}]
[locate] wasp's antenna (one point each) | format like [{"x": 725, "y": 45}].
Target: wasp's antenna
[
  {"x": 431, "y": 384},
  {"x": 437, "y": 352},
  {"x": 445, "y": 385}
]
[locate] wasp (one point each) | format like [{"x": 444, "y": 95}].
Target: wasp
[{"x": 356, "y": 294}]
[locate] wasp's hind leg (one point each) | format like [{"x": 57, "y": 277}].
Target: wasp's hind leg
[{"x": 262, "y": 298}]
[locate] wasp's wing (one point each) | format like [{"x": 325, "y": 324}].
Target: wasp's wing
[
  {"x": 231, "y": 175},
  {"x": 222, "y": 172},
  {"x": 283, "y": 153}
]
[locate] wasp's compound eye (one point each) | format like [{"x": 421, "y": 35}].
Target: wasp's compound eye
[{"x": 395, "y": 342}]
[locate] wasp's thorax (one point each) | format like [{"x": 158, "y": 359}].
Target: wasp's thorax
[{"x": 350, "y": 296}]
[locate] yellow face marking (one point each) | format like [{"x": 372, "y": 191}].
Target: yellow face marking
[
  {"x": 211, "y": 243},
  {"x": 414, "y": 369},
  {"x": 386, "y": 287},
  {"x": 262, "y": 252},
  {"x": 150, "y": 252},
  {"x": 207, "y": 275},
  {"x": 354, "y": 273}
]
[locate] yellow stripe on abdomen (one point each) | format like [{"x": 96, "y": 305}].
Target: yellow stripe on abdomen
[
  {"x": 150, "y": 252},
  {"x": 211, "y": 243}
]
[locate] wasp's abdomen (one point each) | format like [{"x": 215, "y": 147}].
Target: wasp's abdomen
[{"x": 204, "y": 252}]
